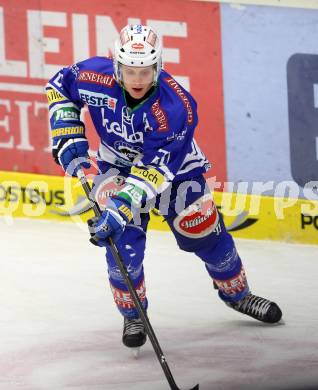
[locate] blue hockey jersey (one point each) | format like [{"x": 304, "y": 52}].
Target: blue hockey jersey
[{"x": 152, "y": 142}]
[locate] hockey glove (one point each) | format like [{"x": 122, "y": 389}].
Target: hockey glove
[
  {"x": 111, "y": 223},
  {"x": 71, "y": 153}
]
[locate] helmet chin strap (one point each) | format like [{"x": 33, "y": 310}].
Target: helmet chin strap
[{"x": 156, "y": 75}]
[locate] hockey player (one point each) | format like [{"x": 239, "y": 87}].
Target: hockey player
[{"x": 146, "y": 122}]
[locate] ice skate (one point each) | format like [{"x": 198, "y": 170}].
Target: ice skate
[
  {"x": 134, "y": 335},
  {"x": 259, "y": 308}
]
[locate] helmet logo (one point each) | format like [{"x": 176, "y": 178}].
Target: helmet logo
[
  {"x": 138, "y": 29},
  {"x": 137, "y": 46},
  {"x": 124, "y": 37},
  {"x": 152, "y": 38}
]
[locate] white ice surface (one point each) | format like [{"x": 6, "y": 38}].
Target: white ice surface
[{"x": 59, "y": 328}]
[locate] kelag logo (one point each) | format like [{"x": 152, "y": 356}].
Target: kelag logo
[{"x": 302, "y": 79}]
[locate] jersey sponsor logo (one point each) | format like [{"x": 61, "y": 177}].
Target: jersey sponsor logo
[
  {"x": 97, "y": 99},
  {"x": 66, "y": 113},
  {"x": 134, "y": 193},
  {"x": 106, "y": 186},
  {"x": 74, "y": 130},
  {"x": 96, "y": 78},
  {"x": 151, "y": 176},
  {"x": 177, "y": 136},
  {"x": 124, "y": 130},
  {"x": 177, "y": 89},
  {"x": 160, "y": 116},
  {"x": 126, "y": 211},
  {"x": 199, "y": 219},
  {"x": 54, "y": 96}
]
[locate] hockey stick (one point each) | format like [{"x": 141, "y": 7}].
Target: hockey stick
[{"x": 141, "y": 311}]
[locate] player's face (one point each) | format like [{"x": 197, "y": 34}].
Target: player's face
[{"x": 137, "y": 80}]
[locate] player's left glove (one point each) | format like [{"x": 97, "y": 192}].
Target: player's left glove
[{"x": 111, "y": 223}]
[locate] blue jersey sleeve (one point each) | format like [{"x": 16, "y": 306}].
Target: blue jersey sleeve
[{"x": 64, "y": 105}]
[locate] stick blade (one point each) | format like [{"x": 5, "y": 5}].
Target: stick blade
[{"x": 196, "y": 387}]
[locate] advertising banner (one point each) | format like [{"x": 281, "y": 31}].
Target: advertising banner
[
  {"x": 37, "y": 38},
  {"x": 246, "y": 216}
]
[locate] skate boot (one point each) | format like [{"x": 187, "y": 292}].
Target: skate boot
[
  {"x": 259, "y": 308},
  {"x": 134, "y": 334}
]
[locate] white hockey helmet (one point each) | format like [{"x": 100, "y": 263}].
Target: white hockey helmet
[{"x": 137, "y": 46}]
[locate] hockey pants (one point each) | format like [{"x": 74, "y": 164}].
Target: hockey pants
[{"x": 198, "y": 227}]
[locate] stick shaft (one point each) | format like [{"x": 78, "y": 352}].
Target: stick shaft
[{"x": 141, "y": 311}]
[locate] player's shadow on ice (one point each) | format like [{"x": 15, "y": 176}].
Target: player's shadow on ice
[{"x": 254, "y": 324}]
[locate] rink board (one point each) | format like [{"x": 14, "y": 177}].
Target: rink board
[{"x": 246, "y": 216}]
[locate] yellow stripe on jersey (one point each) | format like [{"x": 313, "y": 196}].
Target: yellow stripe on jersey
[
  {"x": 126, "y": 211},
  {"x": 68, "y": 131},
  {"x": 54, "y": 96},
  {"x": 150, "y": 175}
]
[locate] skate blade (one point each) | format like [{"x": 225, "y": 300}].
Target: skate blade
[{"x": 135, "y": 352}]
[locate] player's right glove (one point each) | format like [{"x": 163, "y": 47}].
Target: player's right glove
[
  {"x": 111, "y": 223},
  {"x": 71, "y": 153}
]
